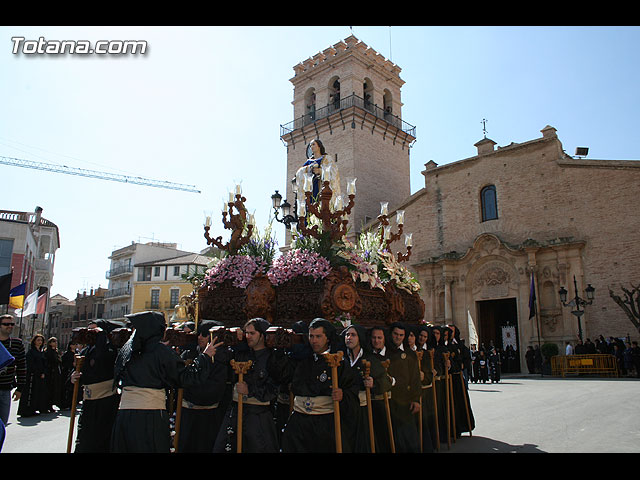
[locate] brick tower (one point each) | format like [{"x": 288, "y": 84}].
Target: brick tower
[{"x": 348, "y": 96}]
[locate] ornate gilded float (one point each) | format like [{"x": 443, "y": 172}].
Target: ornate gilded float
[{"x": 321, "y": 274}]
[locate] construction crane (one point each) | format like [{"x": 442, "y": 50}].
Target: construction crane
[{"x": 17, "y": 162}]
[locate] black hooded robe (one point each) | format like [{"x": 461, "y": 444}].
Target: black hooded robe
[
  {"x": 359, "y": 425},
  {"x": 464, "y": 419},
  {"x": 201, "y": 411},
  {"x": 308, "y": 432},
  {"x": 98, "y": 415},
  {"x": 259, "y": 433},
  {"x": 145, "y": 362},
  {"x": 33, "y": 400}
]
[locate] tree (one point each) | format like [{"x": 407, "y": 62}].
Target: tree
[{"x": 630, "y": 303}]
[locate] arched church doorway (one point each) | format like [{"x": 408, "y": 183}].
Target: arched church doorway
[{"x": 498, "y": 327}]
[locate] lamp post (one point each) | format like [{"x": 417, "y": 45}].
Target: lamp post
[
  {"x": 577, "y": 302},
  {"x": 289, "y": 214}
]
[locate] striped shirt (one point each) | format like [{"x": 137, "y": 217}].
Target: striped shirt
[{"x": 15, "y": 375}]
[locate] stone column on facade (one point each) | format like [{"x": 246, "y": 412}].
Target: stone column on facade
[{"x": 448, "y": 300}]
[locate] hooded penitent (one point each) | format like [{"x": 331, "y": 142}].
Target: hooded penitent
[
  {"x": 148, "y": 330},
  {"x": 365, "y": 344}
]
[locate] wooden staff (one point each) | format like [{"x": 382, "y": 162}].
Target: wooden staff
[
  {"x": 178, "y": 418},
  {"x": 74, "y": 403},
  {"x": 387, "y": 408},
  {"x": 447, "y": 394},
  {"x": 419, "y": 355},
  {"x": 240, "y": 368},
  {"x": 333, "y": 360},
  {"x": 367, "y": 370},
  {"x": 435, "y": 403},
  {"x": 466, "y": 403},
  {"x": 454, "y": 432}
]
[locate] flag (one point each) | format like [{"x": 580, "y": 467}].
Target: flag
[
  {"x": 473, "y": 334},
  {"x": 16, "y": 296},
  {"x": 42, "y": 304},
  {"x": 29, "y": 307},
  {"x": 532, "y": 299},
  {"x": 6, "y": 358},
  {"x": 5, "y": 288}
]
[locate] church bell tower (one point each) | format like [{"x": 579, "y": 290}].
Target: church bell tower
[{"x": 348, "y": 96}]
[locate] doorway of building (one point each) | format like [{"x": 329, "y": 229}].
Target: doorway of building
[{"x": 498, "y": 327}]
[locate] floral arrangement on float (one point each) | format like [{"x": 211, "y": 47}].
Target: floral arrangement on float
[{"x": 341, "y": 277}]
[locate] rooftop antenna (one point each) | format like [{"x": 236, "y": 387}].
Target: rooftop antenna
[
  {"x": 390, "y": 53},
  {"x": 484, "y": 127}
]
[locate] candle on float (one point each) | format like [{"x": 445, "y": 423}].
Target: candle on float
[
  {"x": 238, "y": 190},
  {"x": 339, "y": 203},
  {"x": 225, "y": 207},
  {"x": 408, "y": 240},
  {"x": 308, "y": 182},
  {"x": 400, "y": 217},
  {"x": 387, "y": 232},
  {"x": 384, "y": 208},
  {"x": 230, "y": 197},
  {"x": 251, "y": 220},
  {"x": 326, "y": 172},
  {"x": 351, "y": 187},
  {"x": 302, "y": 208},
  {"x": 294, "y": 230},
  {"x": 207, "y": 221}
]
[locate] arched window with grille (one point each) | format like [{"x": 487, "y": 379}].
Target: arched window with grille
[{"x": 489, "y": 203}]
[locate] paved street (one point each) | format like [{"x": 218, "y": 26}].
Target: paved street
[{"x": 521, "y": 414}]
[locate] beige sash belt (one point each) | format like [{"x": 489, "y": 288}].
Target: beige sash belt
[
  {"x": 248, "y": 400},
  {"x": 138, "y": 398},
  {"x": 362, "y": 396},
  {"x": 96, "y": 391},
  {"x": 427, "y": 386},
  {"x": 321, "y": 405},
  {"x": 193, "y": 406}
]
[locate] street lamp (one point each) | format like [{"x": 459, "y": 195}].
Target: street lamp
[
  {"x": 577, "y": 302},
  {"x": 289, "y": 215}
]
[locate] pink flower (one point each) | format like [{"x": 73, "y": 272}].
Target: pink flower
[
  {"x": 296, "y": 263},
  {"x": 239, "y": 268}
]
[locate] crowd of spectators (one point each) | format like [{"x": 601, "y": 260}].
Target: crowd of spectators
[{"x": 626, "y": 352}]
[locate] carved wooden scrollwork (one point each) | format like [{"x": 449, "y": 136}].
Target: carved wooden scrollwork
[
  {"x": 261, "y": 298},
  {"x": 396, "y": 303},
  {"x": 340, "y": 294}
]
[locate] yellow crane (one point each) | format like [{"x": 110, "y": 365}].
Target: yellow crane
[{"x": 17, "y": 162}]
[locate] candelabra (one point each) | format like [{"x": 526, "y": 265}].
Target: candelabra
[
  {"x": 387, "y": 237},
  {"x": 329, "y": 210},
  {"x": 236, "y": 224}
]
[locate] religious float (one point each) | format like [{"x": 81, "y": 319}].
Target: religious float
[{"x": 321, "y": 274}]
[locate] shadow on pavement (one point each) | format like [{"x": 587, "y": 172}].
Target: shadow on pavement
[
  {"x": 32, "y": 420},
  {"x": 476, "y": 444}
]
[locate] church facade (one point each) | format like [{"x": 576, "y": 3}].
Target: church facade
[{"x": 486, "y": 228}]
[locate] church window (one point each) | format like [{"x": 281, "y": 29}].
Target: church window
[{"x": 489, "y": 203}]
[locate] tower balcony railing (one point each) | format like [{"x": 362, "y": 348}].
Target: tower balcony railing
[{"x": 343, "y": 104}]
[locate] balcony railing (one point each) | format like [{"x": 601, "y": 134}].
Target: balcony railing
[
  {"x": 120, "y": 270},
  {"x": 342, "y": 104},
  {"x": 159, "y": 305},
  {"x": 118, "y": 292}
]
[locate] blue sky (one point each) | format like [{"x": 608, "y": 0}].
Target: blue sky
[{"x": 204, "y": 107}]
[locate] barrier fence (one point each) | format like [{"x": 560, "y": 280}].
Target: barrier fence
[{"x": 596, "y": 364}]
